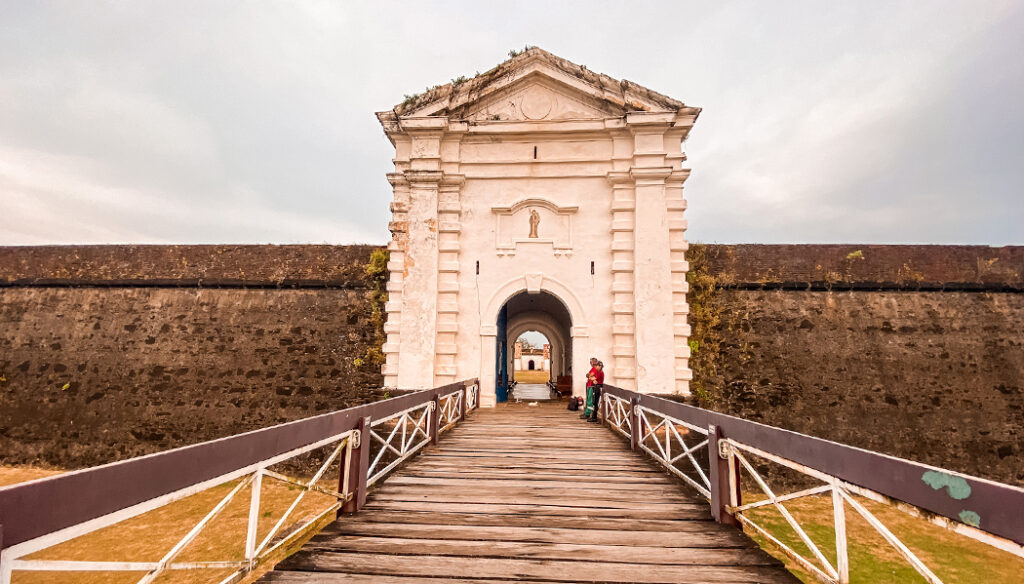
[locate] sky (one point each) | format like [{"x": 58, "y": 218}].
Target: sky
[
  {"x": 252, "y": 122},
  {"x": 535, "y": 338}
]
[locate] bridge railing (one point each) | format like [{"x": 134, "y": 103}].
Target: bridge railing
[
  {"x": 41, "y": 514},
  {"x": 396, "y": 437},
  {"x": 726, "y": 459}
]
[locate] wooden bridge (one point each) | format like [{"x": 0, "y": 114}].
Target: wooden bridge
[
  {"x": 530, "y": 494},
  {"x": 426, "y": 486}
]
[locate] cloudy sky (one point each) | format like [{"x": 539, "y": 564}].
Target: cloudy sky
[{"x": 252, "y": 122}]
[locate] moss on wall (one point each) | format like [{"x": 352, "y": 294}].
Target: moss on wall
[
  {"x": 930, "y": 375},
  {"x": 116, "y": 351},
  {"x": 94, "y": 369},
  {"x": 377, "y": 272}
]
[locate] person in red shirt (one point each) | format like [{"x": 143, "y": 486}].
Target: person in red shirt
[
  {"x": 588, "y": 403},
  {"x": 595, "y": 389}
]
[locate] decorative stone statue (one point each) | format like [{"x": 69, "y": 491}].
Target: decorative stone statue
[{"x": 534, "y": 222}]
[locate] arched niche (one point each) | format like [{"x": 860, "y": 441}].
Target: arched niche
[{"x": 512, "y": 226}]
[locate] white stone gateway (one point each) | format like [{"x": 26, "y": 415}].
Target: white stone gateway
[{"x": 538, "y": 196}]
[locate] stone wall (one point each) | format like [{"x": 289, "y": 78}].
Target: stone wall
[
  {"x": 867, "y": 267},
  {"x": 260, "y": 266},
  {"x": 913, "y": 367},
  {"x": 114, "y": 351},
  {"x": 110, "y": 352}
]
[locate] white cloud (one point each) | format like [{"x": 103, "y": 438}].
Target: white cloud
[
  {"x": 53, "y": 199},
  {"x": 225, "y": 122}
]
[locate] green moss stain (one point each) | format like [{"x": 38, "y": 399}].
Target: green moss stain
[
  {"x": 706, "y": 333},
  {"x": 956, "y": 487},
  {"x": 377, "y": 271},
  {"x": 954, "y": 558},
  {"x": 970, "y": 518}
]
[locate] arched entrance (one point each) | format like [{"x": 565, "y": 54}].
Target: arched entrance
[
  {"x": 580, "y": 197},
  {"x": 532, "y": 358},
  {"x": 542, "y": 312}
]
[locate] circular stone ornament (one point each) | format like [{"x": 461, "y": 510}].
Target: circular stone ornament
[{"x": 537, "y": 104}]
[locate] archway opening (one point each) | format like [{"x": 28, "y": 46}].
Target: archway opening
[
  {"x": 542, "y": 322},
  {"x": 531, "y": 362}
]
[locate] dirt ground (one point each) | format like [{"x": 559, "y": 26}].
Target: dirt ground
[{"x": 526, "y": 376}]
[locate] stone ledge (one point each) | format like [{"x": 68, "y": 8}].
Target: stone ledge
[
  {"x": 867, "y": 267},
  {"x": 187, "y": 266}
]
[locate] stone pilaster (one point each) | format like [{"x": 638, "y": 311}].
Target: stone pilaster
[
  {"x": 675, "y": 206},
  {"x": 655, "y": 341},
  {"x": 399, "y": 227},
  {"x": 653, "y": 297},
  {"x": 419, "y": 282},
  {"x": 449, "y": 213},
  {"x": 623, "y": 318}
]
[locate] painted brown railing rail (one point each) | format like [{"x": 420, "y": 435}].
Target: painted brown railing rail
[
  {"x": 718, "y": 455},
  {"x": 40, "y": 514}
]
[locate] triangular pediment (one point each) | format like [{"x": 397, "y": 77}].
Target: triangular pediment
[
  {"x": 536, "y": 97},
  {"x": 534, "y": 85}
]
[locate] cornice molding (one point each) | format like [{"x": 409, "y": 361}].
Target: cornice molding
[
  {"x": 416, "y": 177},
  {"x": 619, "y": 177},
  {"x": 651, "y": 175}
]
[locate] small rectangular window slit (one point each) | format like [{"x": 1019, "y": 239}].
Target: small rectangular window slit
[
  {"x": 478, "y": 267},
  {"x": 591, "y": 268},
  {"x": 535, "y": 153}
]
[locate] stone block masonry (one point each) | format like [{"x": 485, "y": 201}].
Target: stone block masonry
[
  {"x": 253, "y": 266},
  {"x": 868, "y": 267},
  {"x": 915, "y": 351},
  {"x": 936, "y": 377},
  {"x": 110, "y": 352}
]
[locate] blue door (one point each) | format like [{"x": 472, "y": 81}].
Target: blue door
[{"x": 501, "y": 364}]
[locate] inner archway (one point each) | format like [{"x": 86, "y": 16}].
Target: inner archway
[
  {"x": 531, "y": 358},
  {"x": 546, "y": 316}
]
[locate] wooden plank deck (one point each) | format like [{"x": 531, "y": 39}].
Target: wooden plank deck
[
  {"x": 531, "y": 392},
  {"x": 530, "y": 494}
]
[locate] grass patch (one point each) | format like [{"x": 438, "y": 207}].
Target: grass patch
[
  {"x": 149, "y": 536},
  {"x": 952, "y": 557}
]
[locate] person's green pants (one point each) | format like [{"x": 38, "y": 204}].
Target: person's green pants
[{"x": 588, "y": 411}]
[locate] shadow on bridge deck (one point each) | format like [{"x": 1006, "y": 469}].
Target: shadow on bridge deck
[{"x": 530, "y": 494}]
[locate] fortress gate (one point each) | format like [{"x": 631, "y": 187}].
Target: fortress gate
[{"x": 538, "y": 196}]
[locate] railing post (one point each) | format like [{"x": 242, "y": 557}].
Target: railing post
[
  {"x": 254, "y": 517},
  {"x": 721, "y": 490},
  {"x": 634, "y": 424},
  {"x": 842, "y": 551},
  {"x": 464, "y": 399},
  {"x": 5, "y": 574},
  {"x": 435, "y": 416},
  {"x": 359, "y": 465}
]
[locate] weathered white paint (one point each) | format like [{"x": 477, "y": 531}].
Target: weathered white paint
[{"x": 599, "y": 163}]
